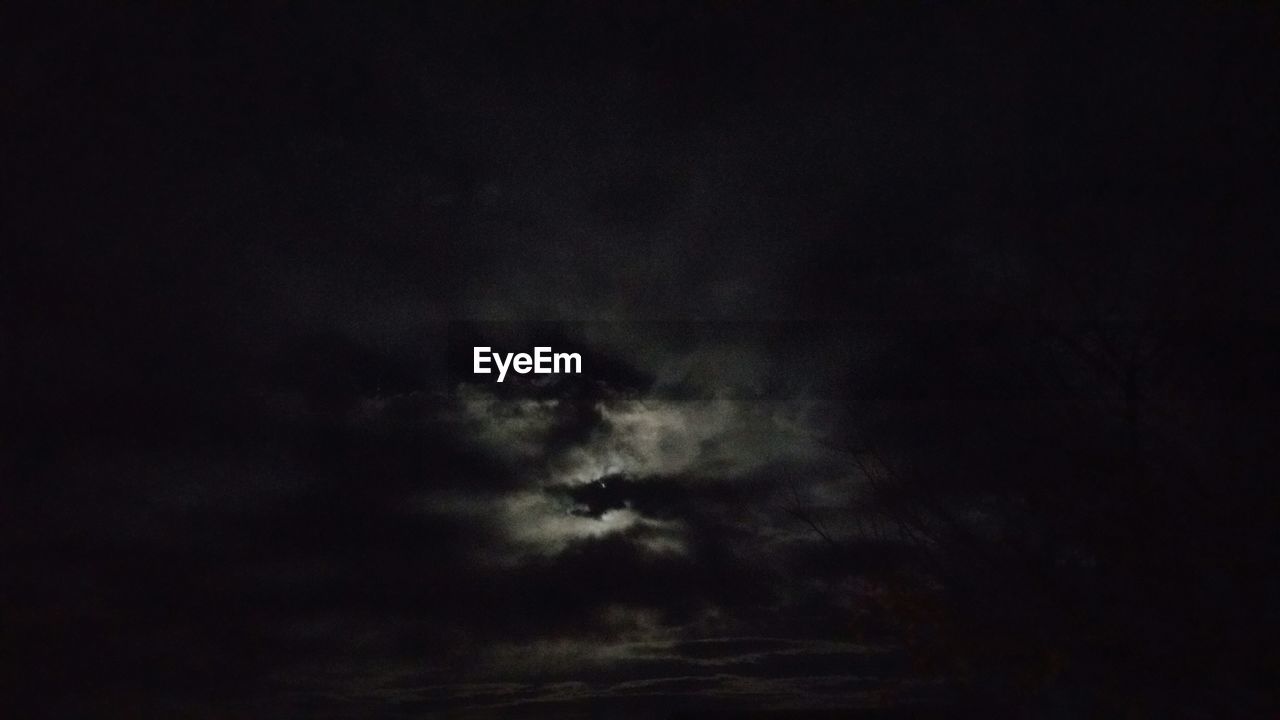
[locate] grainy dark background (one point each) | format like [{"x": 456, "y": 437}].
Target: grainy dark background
[{"x": 928, "y": 360}]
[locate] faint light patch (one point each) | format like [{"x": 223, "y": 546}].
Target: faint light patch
[
  {"x": 624, "y": 630},
  {"x": 710, "y": 437},
  {"x": 546, "y": 525},
  {"x": 646, "y": 437},
  {"x": 515, "y": 428},
  {"x": 713, "y": 437}
]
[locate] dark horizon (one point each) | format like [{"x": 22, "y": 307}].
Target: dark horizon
[{"x": 928, "y": 360}]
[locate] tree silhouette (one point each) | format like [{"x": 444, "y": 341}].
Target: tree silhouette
[{"x": 1074, "y": 442}]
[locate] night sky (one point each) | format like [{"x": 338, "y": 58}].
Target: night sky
[{"x": 927, "y": 360}]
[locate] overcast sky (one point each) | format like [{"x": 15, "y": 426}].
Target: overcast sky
[{"x": 254, "y": 249}]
